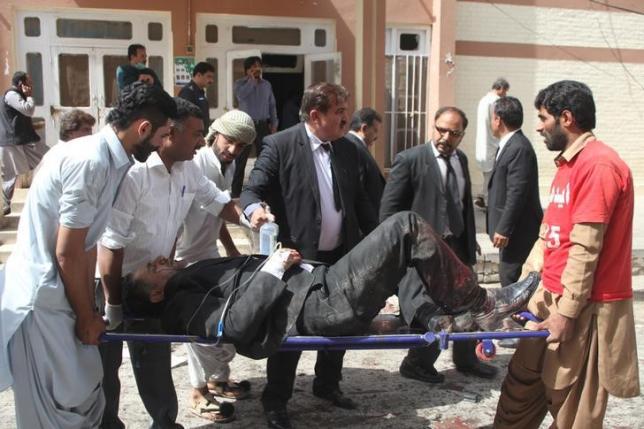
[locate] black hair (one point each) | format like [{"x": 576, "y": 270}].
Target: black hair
[
  {"x": 140, "y": 100},
  {"x": 576, "y": 97},
  {"x": 72, "y": 121},
  {"x": 501, "y": 83},
  {"x": 445, "y": 109},
  {"x": 18, "y": 78},
  {"x": 186, "y": 109},
  {"x": 510, "y": 111},
  {"x": 251, "y": 61},
  {"x": 203, "y": 68},
  {"x": 319, "y": 96},
  {"x": 133, "y": 50},
  {"x": 366, "y": 116}
]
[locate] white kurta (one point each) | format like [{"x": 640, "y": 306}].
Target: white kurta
[
  {"x": 75, "y": 188},
  {"x": 198, "y": 239},
  {"x": 151, "y": 206},
  {"x": 486, "y": 143}
]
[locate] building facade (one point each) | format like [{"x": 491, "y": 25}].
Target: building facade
[{"x": 403, "y": 57}]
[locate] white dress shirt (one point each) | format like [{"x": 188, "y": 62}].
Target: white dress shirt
[
  {"x": 359, "y": 138},
  {"x": 456, "y": 164},
  {"x": 486, "y": 143},
  {"x": 151, "y": 205},
  {"x": 74, "y": 188},
  {"x": 198, "y": 239},
  {"x": 504, "y": 140},
  {"x": 331, "y": 226}
]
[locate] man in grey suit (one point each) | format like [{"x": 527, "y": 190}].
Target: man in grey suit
[
  {"x": 434, "y": 181},
  {"x": 514, "y": 210},
  {"x": 363, "y": 133}
]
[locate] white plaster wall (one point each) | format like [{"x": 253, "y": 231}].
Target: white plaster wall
[{"x": 547, "y": 26}]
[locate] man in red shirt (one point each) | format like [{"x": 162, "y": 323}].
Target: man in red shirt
[{"x": 585, "y": 297}]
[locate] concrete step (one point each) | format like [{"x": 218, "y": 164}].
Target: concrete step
[
  {"x": 10, "y": 222},
  {"x": 5, "y": 251},
  {"x": 8, "y": 236}
]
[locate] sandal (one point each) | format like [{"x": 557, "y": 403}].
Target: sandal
[
  {"x": 230, "y": 389},
  {"x": 207, "y": 407}
]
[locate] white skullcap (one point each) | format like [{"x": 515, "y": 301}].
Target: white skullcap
[{"x": 234, "y": 124}]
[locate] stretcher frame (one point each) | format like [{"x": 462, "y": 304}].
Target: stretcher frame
[{"x": 366, "y": 342}]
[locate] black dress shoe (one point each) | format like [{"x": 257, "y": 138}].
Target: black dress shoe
[
  {"x": 479, "y": 369},
  {"x": 336, "y": 397},
  {"x": 415, "y": 371},
  {"x": 278, "y": 419},
  {"x": 502, "y": 302}
]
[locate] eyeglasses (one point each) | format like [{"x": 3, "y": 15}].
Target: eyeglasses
[{"x": 453, "y": 133}]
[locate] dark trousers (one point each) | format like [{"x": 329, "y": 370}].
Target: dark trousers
[
  {"x": 262, "y": 129},
  {"x": 511, "y": 261},
  {"x": 152, "y": 372},
  {"x": 282, "y": 367},
  {"x": 357, "y": 286},
  {"x": 463, "y": 352}
]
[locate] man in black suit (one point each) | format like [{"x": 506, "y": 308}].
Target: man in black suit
[
  {"x": 307, "y": 175},
  {"x": 514, "y": 210},
  {"x": 433, "y": 180},
  {"x": 363, "y": 133}
]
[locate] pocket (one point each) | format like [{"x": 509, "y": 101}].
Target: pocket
[{"x": 185, "y": 202}]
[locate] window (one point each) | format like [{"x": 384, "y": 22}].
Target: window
[
  {"x": 156, "y": 64},
  {"x": 211, "y": 34},
  {"x": 212, "y": 92},
  {"x": 32, "y": 27},
  {"x": 266, "y": 36},
  {"x": 320, "y": 37},
  {"x": 73, "y": 72},
  {"x": 406, "y": 65},
  {"x": 93, "y": 29},
  {"x": 155, "y": 31},
  {"x": 409, "y": 41},
  {"x": 34, "y": 69}
]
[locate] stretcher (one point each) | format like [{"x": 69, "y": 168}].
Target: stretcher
[{"x": 485, "y": 349}]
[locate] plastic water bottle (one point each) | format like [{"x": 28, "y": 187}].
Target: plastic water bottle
[{"x": 268, "y": 235}]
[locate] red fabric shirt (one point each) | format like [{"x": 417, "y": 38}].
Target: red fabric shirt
[{"x": 596, "y": 186}]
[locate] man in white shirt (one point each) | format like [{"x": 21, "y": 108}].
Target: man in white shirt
[
  {"x": 49, "y": 324},
  {"x": 151, "y": 205},
  {"x": 486, "y": 143},
  {"x": 208, "y": 365}
]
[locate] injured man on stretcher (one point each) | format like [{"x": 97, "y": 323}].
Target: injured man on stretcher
[{"x": 255, "y": 302}]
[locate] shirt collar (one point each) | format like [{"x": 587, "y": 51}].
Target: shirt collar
[
  {"x": 120, "y": 156},
  {"x": 567, "y": 155},
  {"x": 437, "y": 154},
  {"x": 313, "y": 139},
  {"x": 358, "y": 136},
  {"x": 506, "y": 138}
]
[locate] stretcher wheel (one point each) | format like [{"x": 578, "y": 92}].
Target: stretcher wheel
[{"x": 485, "y": 350}]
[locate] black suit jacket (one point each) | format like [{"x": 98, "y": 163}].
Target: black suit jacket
[
  {"x": 415, "y": 184},
  {"x": 514, "y": 209},
  {"x": 370, "y": 176},
  {"x": 262, "y": 310},
  {"x": 284, "y": 176}
]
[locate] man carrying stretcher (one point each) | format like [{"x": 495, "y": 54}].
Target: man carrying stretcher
[{"x": 255, "y": 302}]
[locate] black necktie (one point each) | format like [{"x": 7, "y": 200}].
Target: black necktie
[
  {"x": 454, "y": 204},
  {"x": 336, "y": 191}
]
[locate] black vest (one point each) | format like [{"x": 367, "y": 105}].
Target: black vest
[{"x": 15, "y": 128}]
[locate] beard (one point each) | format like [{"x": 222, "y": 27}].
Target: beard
[
  {"x": 556, "y": 140},
  {"x": 143, "y": 150}
]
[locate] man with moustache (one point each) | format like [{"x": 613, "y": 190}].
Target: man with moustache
[
  {"x": 307, "y": 176},
  {"x": 150, "y": 207},
  {"x": 433, "y": 180},
  {"x": 203, "y": 75},
  {"x": 255, "y": 97},
  {"x": 585, "y": 298},
  {"x": 208, "y": 365},
  {"x": 49, "y": 323}
]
